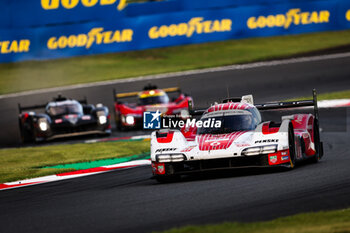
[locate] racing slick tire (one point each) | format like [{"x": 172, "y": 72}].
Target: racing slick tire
[
  {"x": 26, "y": 136},
  {"x": 292, "y": 151},
  {"x": 120, "y": 126},
  {"x": 317, "y": 141},
  {"x": 118, "y": 122}
]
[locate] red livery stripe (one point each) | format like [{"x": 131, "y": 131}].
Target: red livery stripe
[{"x": 217, "y": 142}]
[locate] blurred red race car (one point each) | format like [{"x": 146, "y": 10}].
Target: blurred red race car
[{"x": 130, "y": 115}]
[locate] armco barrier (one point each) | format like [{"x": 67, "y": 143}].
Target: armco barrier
[{"x": 48, "y": 29}]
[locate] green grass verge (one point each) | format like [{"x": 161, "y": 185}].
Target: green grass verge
[
  {"x": 22, "y": 76},
  {"x": 326, "y": 96},
  {"x": 22, "y": 163},
  {"x": 331, "y": 221},
  {"x": 100, "y": 162}
]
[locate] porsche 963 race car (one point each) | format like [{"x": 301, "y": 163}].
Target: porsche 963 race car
[
  {"x": 130, "y": 115},
  {"x": 62, "y": 117},
  {"x": 241, "y": 140}
]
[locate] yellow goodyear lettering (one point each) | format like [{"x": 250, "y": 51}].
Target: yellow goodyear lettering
[
  {"x": 291, "y": 17},
  {"x": 89, "y": 3},
  {"x": 70, "y": 4},
  {"x": 347, "y": 15},
  {"x": 324, "y": 17},
  {"x": 226, "y": 25},
  {"x": 52, "y": 43},
  {"x": 107, "y": 2},
  {"x": 127, "y": 35},
  {"x": 50, "y": 4},
  {"x": 121, "y": 5},
  {"x": 4, "y": 47},
  {"x": 21, "y": 46},
  {"x": 107, "y": 38},
  {"x": 94, "y": 36},
  {"x": 24, "y": 46},
  {"x": 251, "y": 23},
  {"x": 81, "y": 40},
  {"x": 62, "y": 42},
  {"x": 196, "y": 25}
]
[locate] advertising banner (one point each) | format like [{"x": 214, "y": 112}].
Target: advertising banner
[{"x": 49, "y": 29}]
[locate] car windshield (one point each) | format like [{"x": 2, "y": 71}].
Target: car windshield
[
  {"x": 229, "y": 123},
  {"x": 64, "y": 109},
  {"x": 163, "y": 99}
]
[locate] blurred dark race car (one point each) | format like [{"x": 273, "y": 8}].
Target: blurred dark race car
[
  {"x": 63, "y": 117},
  {"x": 151, "y": 99}
]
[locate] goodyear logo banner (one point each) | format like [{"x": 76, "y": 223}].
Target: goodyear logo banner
[{"x": 62, "y": 28}]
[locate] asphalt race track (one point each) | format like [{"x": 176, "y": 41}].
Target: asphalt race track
[
  {"x": 129, "y": 201},
  {"x": 267, "y": 83}
]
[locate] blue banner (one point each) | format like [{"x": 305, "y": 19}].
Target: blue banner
[{"x": 48, "y": 29}]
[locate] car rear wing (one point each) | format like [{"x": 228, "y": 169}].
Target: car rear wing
[
  {"x": 21, "y": 109},
  {"x": 195, "y": 112},
  {"x": 26, "y": 108},
  {"x": 135, "y": 93},
  {"x": 292, "y": 104},
  {"x": 270, "y": 106}
]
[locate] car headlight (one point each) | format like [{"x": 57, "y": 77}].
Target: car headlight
[
  {"x": 260, "y": 150},
  {"x": 170, "y": 158},
  {"x": 43, "y": 125},
  {"x": 269, "y": 149},
  {"x": 102, "y": 120},
  {"x": 130, "y": 120},
  {"x": 101, "y": 117},
  {"x": 252, "y": 151},
  {"x": 163, "y": 158}
]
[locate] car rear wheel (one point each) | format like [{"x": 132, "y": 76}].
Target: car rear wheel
[
  {"x": 318, "y": 146},
  {"x": 291, "y": 141},
  {"x": 27, "y": 135},
  {"x": 120, "y": 126}
]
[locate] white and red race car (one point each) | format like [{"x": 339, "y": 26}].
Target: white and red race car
[{"x": 241, "y": 140}]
